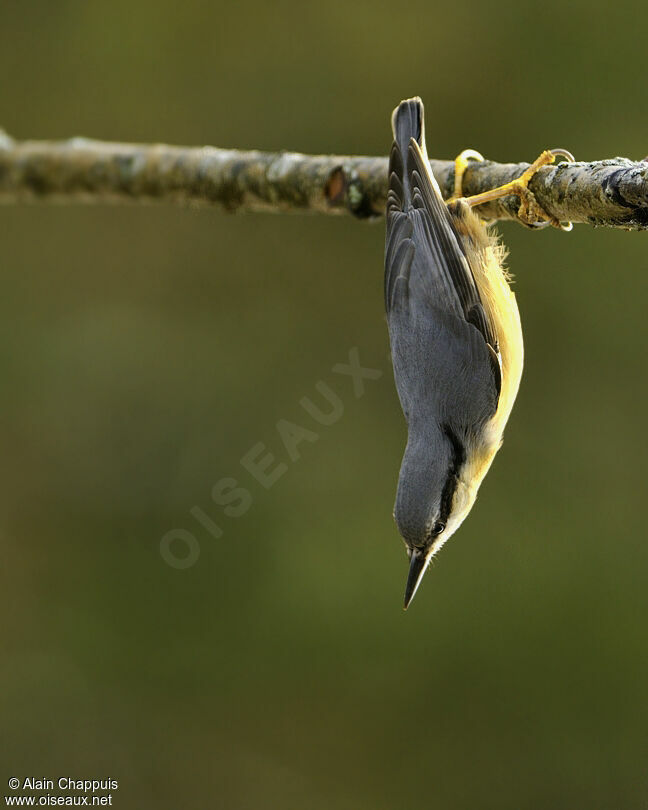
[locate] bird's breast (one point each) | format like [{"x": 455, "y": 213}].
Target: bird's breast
[{"x": 486, "y": 258}]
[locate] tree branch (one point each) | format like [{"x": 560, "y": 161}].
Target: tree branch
[{"x": 612, "y": 193}]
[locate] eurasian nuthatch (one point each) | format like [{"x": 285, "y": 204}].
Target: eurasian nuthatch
[{"x": 455, "y": 335}]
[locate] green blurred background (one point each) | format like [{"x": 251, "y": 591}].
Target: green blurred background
[{"x": 144, "y": 351}]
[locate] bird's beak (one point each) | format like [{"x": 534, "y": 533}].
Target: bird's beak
[{"x": 418, "y": 563}]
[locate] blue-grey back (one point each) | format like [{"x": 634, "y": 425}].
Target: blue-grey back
[{"x": 444, "y": 347}]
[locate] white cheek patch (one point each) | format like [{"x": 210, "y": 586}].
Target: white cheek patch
[{"x": 463, "y": 501}]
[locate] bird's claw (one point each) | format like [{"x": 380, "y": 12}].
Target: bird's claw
[{"x": 530, "y": 212}]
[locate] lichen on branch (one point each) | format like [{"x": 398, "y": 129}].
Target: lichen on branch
[{"x": 612, "y": 193}]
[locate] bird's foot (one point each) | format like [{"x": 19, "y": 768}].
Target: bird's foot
[{"x": 530, "y": 212}]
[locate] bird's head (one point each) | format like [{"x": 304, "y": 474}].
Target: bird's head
[{"x": 437, "y": 486}]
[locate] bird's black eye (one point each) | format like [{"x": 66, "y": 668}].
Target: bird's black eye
[{"x": 439, "y": 526}]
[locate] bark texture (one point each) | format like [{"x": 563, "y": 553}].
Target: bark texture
[{"x": 612, "y": 193}]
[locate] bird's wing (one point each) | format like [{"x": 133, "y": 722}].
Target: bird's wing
[{"x": 424, "y": 260}]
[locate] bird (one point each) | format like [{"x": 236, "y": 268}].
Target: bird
[{"x": 455, "y": 336}]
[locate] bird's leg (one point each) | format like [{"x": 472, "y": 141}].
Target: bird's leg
[
  {"x": 530, "y": 211},
  {"x": 461, "y": 164}
]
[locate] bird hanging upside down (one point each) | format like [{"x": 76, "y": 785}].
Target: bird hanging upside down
[{"x": 455, "y": 335}]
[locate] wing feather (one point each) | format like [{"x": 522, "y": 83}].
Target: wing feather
[{"x": 425, "y": 263}]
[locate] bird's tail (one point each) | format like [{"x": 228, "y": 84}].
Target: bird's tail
[{"x": 407, "y": 123}]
